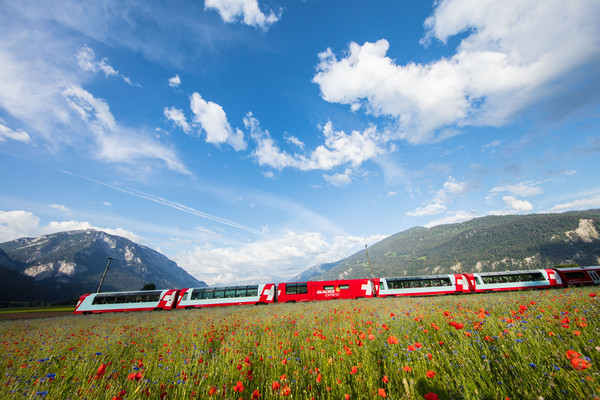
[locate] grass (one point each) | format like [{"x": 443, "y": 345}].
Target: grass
[
  {"x": 485, "y": 346},
  {"x": 13, "y": 310}
]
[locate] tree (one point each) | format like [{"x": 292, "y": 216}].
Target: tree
[{"x": 149, "y": 286}]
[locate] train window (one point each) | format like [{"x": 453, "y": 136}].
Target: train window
[
  {"x": 241, "y": 292},
  {"x": 207, "y": 294},
  {"x": 426, "y": 283},
  {"x": 446, "y": 282},
  {"x": 252, "y": 291},
  {"x": 219, "y": 294},
  {"x": 538, "y": 276},
  {"x": 328, "y": 287},
  {"x": 230, "y": 292},
  {"x": 405, "y": 284},
  {"x": 99, "y": 299},
  {"x": 575, "y": 275},
  {"x": 344, "y": 286},
  {"x": 296, "y": 288}
]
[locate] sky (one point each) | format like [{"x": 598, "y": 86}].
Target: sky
[{"x": 248, "y": 140}]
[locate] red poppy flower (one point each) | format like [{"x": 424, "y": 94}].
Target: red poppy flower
[
  {"x": 354, "y": 370},
  {"x": 571, "y": 354},
  {"x": 238, "y": 387},
  {"x": 580, "y": 364},
  {"x": 318, "y": 378},
  {"x": 393, "y": 340},
  {"x": 255, "y": 394},
  {"x": 407, "y": 369},
  {"x": 381, "y": 392},
  {"x": 431, "y": 396},
  {"x": 101, "y": 371},
  {"x": 430, "y": 374},
  {"x": 385, "y": 379}
]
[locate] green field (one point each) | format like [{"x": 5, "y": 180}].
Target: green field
[
  {"x": 16, "y": 310},
  {"x": 524, "y": 345}
]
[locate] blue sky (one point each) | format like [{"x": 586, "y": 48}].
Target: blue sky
[{"x": 249, "y": 140}]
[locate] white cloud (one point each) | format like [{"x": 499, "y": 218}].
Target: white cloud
[
  {"x": 341, "y": 179},
  {"x": 247, "y": 10},
  {"x": 516, "y": 204},
  {"x": 294, "y": 140},
  {"x": 339, "y": 149},
  {"x": 18, "y": 135},
  {"x": 513, "y": 52},
  {"x": 285, "y": 256},
  {"x": 430, "y": 209},
  {"x": 524, "y": 189},
  {"x": 86, "y": 59},
  {"x": 213, "y": 120},
  {"x": 449, "y": 190},
  {"x": 18, "y": 224},
  {"x": 116, "y": 143},
  {"x": 175, "y": 81},
  {"x": 60, "y": 207},
  {"x": 454, "y": 218},
  {"x": 178, "y": 117},
  {"x": 579, "y": 204}
]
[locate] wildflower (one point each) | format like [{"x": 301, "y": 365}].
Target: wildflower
[
  {"x": 592, "y": 295},
  {"x": 275, "y": 386},
  {"x": 407, "y": 369},
  {"x": 571, "y": 354},
  {"x": 347, "y": 397},
  {"x": 580, "y": 364},
  {"x": 286, "y": 391},
  {"x": 411, "y": 348},
  {"x": 353, "y": 370},
  {"x": 238, "y": 387},
  {"x": 255, "y": 394},
  {"x": 393, "y": 340},
  {"x": 576, "y": 333},
  {"x": 319, "y": 378},
  {"x": 381, "y": 392},
  {"x": 430, "y": 374},
  {"x": 101, "y": 371},
  {"x": 371, "y": 336},
  {"x": 212, "y": 391},
  {"x": 385, "y": 379},
  {"x": 431, "y": 396}
]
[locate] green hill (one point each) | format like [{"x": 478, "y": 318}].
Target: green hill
[{"x": 493, "y": 243}]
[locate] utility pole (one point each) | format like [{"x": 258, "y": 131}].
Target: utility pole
[
  {"x": 105, "y": 271},
  {"x": 369, "y": 262}
]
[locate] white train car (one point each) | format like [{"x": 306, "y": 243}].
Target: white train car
[
  {"x": 513, "y": 280},
  {"x": 143, "y": 300},
  {"x": 226, "y": 296},
  {"x": 423, "y": 285}
]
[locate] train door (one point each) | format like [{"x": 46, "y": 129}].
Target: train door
[{"x": 594, "y": 276}]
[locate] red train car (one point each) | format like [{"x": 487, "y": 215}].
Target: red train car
[
  {"x": 324, "y": 290},
  {"x": 513, "y": 280},
  {"x": 144, "y": 300},
  {"x": 580, "y": 275},
  {"x": 226, "y": 296},
  {"x": 423, "y": 285}
]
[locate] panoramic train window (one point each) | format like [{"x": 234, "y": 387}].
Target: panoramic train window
[
  {"x": 328, "y": 287},
  {"x": 575, "y": 275},
  {"x": 344, "y": 286},
  {"x": 296, "y": 288}
]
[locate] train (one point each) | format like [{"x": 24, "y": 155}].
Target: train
[{"x": 287, "y": 292}]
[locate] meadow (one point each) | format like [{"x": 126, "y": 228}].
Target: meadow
[{"x": 522, "y": 345}]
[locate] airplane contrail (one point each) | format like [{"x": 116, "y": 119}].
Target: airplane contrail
[{"x": 173, "y": 204}]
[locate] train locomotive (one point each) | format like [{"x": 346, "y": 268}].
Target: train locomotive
[{"x": 286, "y": 292}]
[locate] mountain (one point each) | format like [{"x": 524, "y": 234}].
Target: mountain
[
  {"x": 65, "y": 265},
  {"x": 311, "y": 272},
  {"x": 493, "y": 243}
]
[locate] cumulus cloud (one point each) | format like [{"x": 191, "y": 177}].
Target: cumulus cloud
[
  {"x": 117, "y": 143},
  {"x": 284, "y": 257},
  {"x": 86, "y": 59},
  {"x": 8, "y": 133},
  {"x": 338, "y": 150},
  {"x": 59, "y": 207},
  {"x": 524, "y": 189},
  {"x": 453, "y": 218},
  {"x": 512, "y": 54},
  {"x": 579, "y": 204},
  {"x": 213, "y": 120},
  {"x": 449, "y": 190},
  {"x": 516, "y": 204},
  {"x": 19, "y": 223},
  {"x": 341, "y": 179},
  {"x": 175, "y": 81},
  {"x": 246, "y": 10},
  {"x": 178, "y": 117}
]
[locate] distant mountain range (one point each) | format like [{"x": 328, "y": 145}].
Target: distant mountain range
[
  {"x": 493, "y": 243},
  {"x": 64, "y": 265}
]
